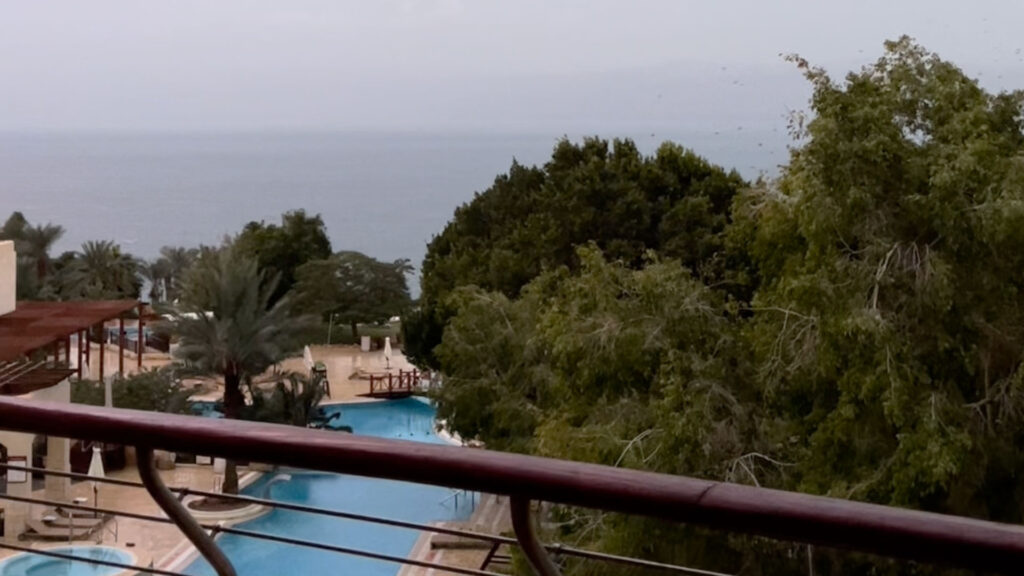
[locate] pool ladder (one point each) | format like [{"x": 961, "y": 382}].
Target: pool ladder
[{"x": 454, "y": 496}]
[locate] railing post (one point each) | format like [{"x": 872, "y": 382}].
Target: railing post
[
  {"x": 120, "y": 346},
  {"x": 103, "y": 339},
  {"x": 181, "y": 517},
  {"x": 78, "y": 338},
  {"x": 527, "y": 537},
  {"x": 141, "y": 338}
]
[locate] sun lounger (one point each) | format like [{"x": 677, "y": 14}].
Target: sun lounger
[
  {"x": 77, "y": 522},
  {"x": 41, "y": 531}
]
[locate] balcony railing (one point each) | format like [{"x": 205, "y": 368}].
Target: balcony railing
[{"x": 899, "y": 533}]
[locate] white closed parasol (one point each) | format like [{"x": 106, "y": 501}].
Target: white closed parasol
[
  {"x": 307, "y": 358},
  {"x": 96, "y": 471},
  {"x": 387, "y": 351}
]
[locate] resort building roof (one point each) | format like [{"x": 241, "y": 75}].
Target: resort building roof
[{"x": 35, "y": 325}]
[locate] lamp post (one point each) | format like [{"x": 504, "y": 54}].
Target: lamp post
[{"x": 330, "y": 328}]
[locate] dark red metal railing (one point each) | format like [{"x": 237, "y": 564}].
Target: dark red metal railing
[{"x": 908, "y": 534}]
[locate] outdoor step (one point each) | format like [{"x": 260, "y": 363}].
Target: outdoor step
[{"x": 450, "y": 542}]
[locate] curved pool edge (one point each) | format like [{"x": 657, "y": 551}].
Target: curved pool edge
[
  {"x": 412, "y": 417},
  {"x": 125, "y": 556},
  {"x": 184, "y": 553}
]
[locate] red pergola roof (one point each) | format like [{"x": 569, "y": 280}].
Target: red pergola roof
[
  {"x": 34, "y": 325},
  {"x": 17, "y": 378}
]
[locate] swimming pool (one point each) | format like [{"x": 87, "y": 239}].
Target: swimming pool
[
  {"x": 29, "y": 564},
  {"x": 205, "y": 408},
  {"x": 407, "y": 419}
]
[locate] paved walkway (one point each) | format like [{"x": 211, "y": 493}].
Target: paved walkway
[
  {"x": 149, "y": 541},
  {"x": 344, "y": 366}
]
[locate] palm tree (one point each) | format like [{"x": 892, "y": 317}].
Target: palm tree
[
  {"x": 14, "y": 229},
  {"x": 158, "y": 274},
  {"x": 294, "y": 399},
  {"x": 102, "y": 270},
  {"x": 225, "y": 325},
  {"x": 33, "y": 244},
  {"x": 37, "y": 241},
  {"x": 179, "y": 261}
]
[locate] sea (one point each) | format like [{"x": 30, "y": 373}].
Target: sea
[{"x": 385, "y": 194}]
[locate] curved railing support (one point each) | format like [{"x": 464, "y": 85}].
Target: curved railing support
[
  {"x": 532, "y": 548},
  {"x": 179, "y": 515}
]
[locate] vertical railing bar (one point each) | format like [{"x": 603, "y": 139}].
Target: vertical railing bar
[
  {"x": 177, "y": 513},
  {"x": 532, "y": 547}
]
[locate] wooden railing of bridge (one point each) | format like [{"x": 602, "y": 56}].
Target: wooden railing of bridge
[{"x": 404, "y": 383}]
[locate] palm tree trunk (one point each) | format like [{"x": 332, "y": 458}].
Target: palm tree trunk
[
  {"x": 41, "y": 269},
  {"x": 355, "y": 331},
  {"x": 233, "y": 403}
]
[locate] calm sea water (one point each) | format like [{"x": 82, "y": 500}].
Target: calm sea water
[{"x": 382, "y": 194}]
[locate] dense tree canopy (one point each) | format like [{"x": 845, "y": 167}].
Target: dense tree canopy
[
  {"x": 282, "y": 249},
  {"x": 354, "y": 287},
  {"x": 889, "y": 328},
  {"x": 852, "y": 328},
  {"x": 100, "y": 270},
  {"x": 533, "y": 218}
]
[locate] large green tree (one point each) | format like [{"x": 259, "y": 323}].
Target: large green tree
[
  {"x": 634, "y": 368},
  {"x": 282, "y": 249},
  {"x": 874, "y": 351},
  {"x": 533, "y": 218},
  {"x": 354, "y": 288},
  {"x": 889, "y": 327},
  {"x": 227, "y": 323}
]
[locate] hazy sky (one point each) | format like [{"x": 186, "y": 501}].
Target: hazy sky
[{"x": 459, "y": 65}]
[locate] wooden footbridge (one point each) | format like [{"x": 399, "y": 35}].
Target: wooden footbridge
[{"x": 401, "y": 385}]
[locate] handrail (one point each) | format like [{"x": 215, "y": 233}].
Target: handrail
[
  {"x": 434, "y": 528},
  {"x": 216, "y": 528},
  {"x": 175, "y": 511},
  {"x": 923, "y": 536}
]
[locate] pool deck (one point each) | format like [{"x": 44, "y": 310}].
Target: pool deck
[
  {"x": 343, "y": 363},
  {"x": 163, "y": 544},
  {"x": 151, "y": 541}
]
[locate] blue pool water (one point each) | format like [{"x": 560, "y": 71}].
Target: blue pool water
[
  {"x": 407, "y": 419},
  {"x": 36, "y": 565},
  {"x": 205, "y": 408}
]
